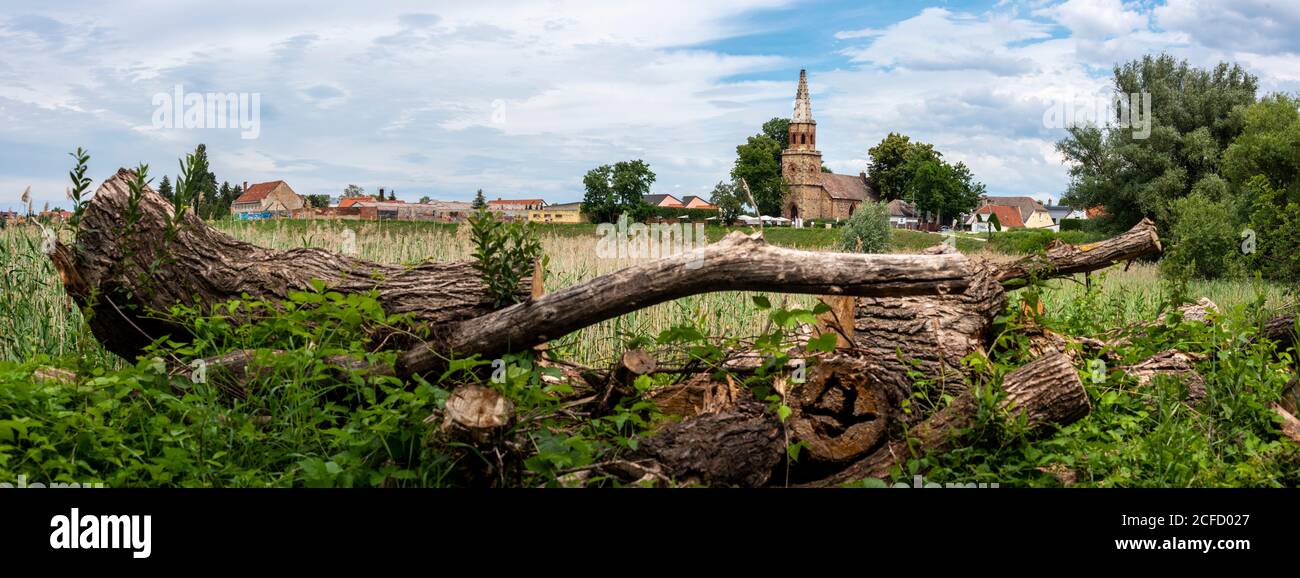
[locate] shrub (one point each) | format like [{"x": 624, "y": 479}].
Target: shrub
[
  {"x": 868, "y": 230},
  {"x": 1203, "y": 242}
]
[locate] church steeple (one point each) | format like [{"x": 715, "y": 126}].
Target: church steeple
[
  {"x": 803, "y": 129},
  {"x": 802, "y": 105}
]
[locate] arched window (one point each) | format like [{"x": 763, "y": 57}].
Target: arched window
[{"x": 803, "y": 139}]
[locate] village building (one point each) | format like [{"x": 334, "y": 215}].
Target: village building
[
  {"x": 515, "y": 208},
  {"x": 697, "y": 202},
  {"x": 1012, "y": 212},
  {"x": 443, "y": 211},
  {"x": 261, "y": 199},
  {"x": 814, "y": 194},
  {"x": 663, "y": 200},
  {"x": 903, "y": 215},
  {"x": 563, "y": 213}
]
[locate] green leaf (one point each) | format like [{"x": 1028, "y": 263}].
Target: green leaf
[
  {"x": 823, "y": 343},
  {"x": 761, "y": 302}
]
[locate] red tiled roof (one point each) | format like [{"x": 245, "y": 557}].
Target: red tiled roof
[
  {"x": 349, "y": 201},
  {"x": 255, "y": 193},
  {"x": 516, "y": 202},
  {"x": 851, "y": 187},
  {"x": 1007, "y": 216},
  {"x": 1096, "y": 211}
]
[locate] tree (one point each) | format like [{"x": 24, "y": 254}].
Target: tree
[
  {"x": 994, "y": 224},
  {"x": 868, "y": 230},
  {"x": 758, "y": 162},
  {"x": 318, "y": 201},
  {"x": 1262, "y": 167},
  {"x": 353, "y": 191},
  {"x": 913, "y": 171},
  {"x": 893, "y": 163},
  {"x": 728, "y": 199},
  {"x": 165, "y": 188},
  {"x": 426, "y": 200},
  {"x": 618, "y": 188},
  {"x": 778, "y": 129},
  {"x": 479, "y": 201},
  {"x": 1141, "y": 173}
]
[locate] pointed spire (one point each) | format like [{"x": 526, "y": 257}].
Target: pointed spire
[{"x": 802, "y": 106}]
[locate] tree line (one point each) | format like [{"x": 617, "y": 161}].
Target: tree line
[{"x": 1219, "y": 170}]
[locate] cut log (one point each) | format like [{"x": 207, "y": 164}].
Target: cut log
[
  {"x": 1171, "y": 363},
  {"x": 739, "y": 446},
  {"x": 1290, "y": 425},
  {"x": 843, "y": 409},
  {"x": 1046, "y": 393},
  {"x": 1282, "y": 329}
]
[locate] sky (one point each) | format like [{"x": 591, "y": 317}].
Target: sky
[{"x": 521, "y": 99}]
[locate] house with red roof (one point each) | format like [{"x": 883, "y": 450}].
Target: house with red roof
[{"x": 275, "y": 197}]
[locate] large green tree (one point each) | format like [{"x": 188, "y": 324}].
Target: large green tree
[
  {"x": 479, "y": 201},
  {"x": 893, "y": 163},
  {"x": 1135, "y": 174},
  {"x": 913, "y": 171},
  {"x": 758, "y": 162},
  {"x": 616, "y": 189}
]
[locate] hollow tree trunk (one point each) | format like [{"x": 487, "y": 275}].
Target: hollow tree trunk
[{"x": 1046, "y": 393}]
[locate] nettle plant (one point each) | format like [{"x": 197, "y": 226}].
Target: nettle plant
[{"x": 504, "y": 254}]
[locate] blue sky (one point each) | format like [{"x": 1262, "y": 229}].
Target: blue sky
[{"x": 521, "y": 99}]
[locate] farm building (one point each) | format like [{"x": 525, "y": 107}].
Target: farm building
[
  {"x": 275, "y": 197},
  {"x": 570, "y": 213},
  {"x": 515, "y": 208}
]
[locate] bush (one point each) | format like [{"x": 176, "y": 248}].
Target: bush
[
  {"x": 682, "y": 214},
  {"x": 868, "y": 230},
  {"x": 1025, "y": 241},
  {"x": 1203, "y": 242},
  {"x": 1073, "y": 224}
]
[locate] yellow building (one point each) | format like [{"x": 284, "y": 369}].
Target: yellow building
[{"x": 566, "y": 213}]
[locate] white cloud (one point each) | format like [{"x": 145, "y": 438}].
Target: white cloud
[
  {"x": 1096, "y": 19},
  {"x": 937, "y": 39}
]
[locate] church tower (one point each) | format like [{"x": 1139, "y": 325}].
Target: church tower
[{"x": 801, "y": 162}]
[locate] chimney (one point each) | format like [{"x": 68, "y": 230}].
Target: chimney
[{"x": 245, "y": 186}]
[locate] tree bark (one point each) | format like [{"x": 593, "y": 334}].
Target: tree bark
[
  {"x": 932, "y": 334},
  {"x": 1046, "y": 393},
  {"x": 738, "y": 446}
]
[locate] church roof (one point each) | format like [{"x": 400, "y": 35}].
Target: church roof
[
  {"x": 851, "y": 187},
  {"x": 802, "y": 104}
]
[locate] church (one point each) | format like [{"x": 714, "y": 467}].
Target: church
[{"x": 814, "y": 194}]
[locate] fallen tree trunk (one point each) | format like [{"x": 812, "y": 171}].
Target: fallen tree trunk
[
  {"x": 932, "y": 334},
  {"x": 130, "y": 275},
  {"x": 1046, "y": 393}
]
